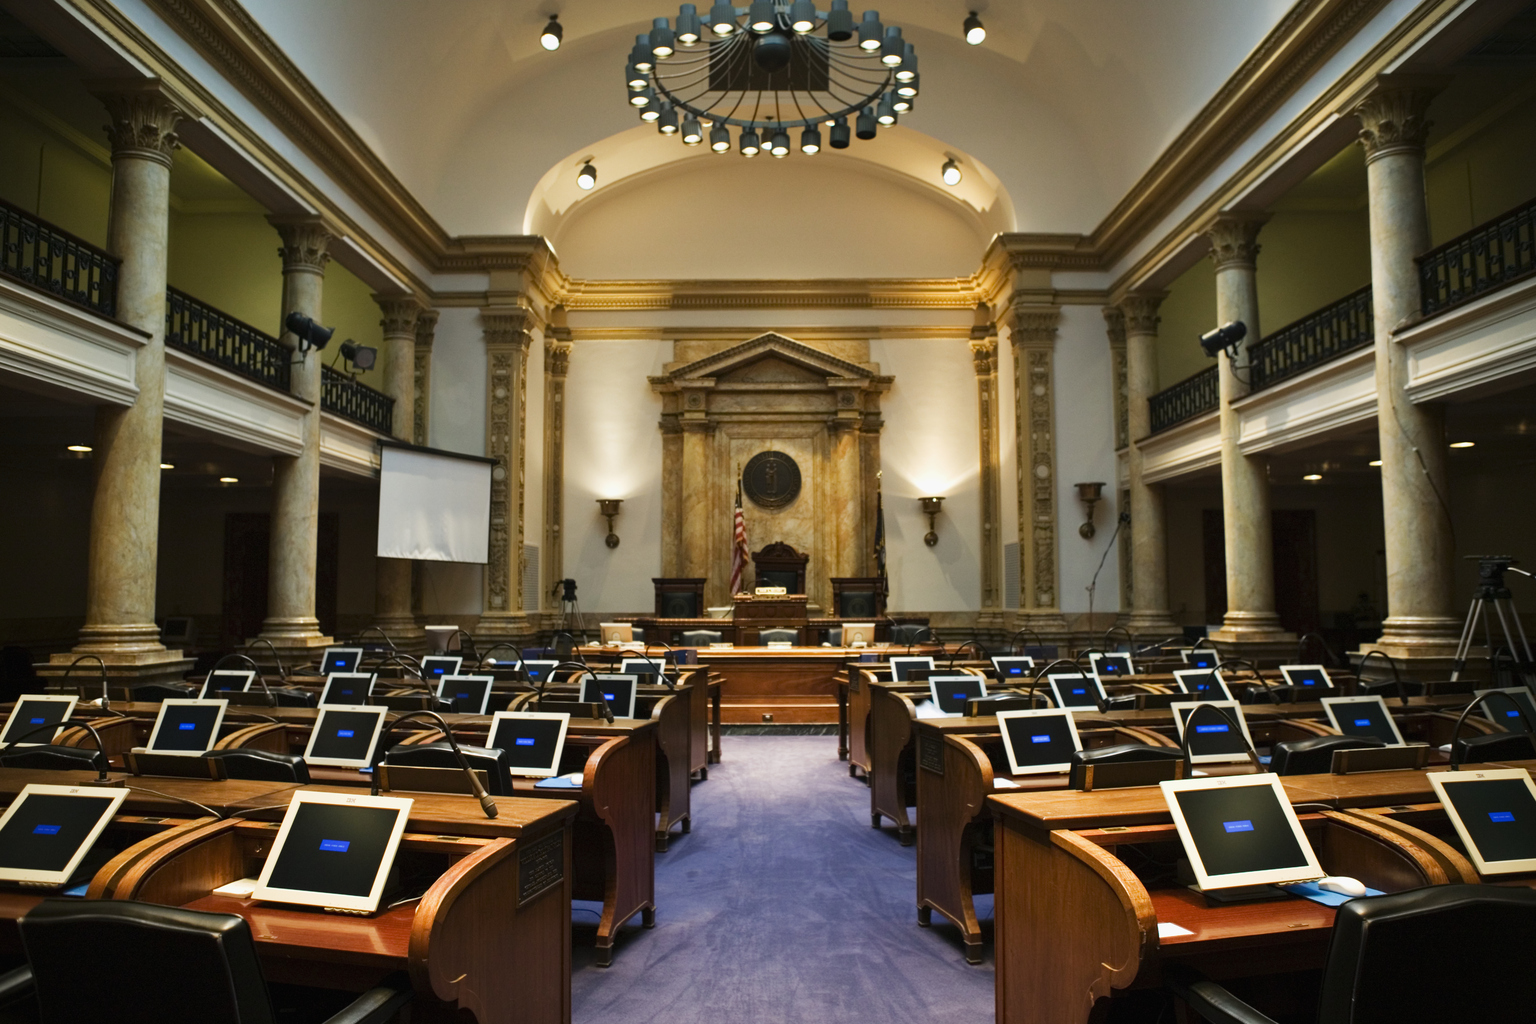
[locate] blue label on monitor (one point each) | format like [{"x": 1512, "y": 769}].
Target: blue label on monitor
[
  {"x": 335, "y": 845},
  {"x": 959, "y": 696},
  {"x": 46, "y": 830},
  {"x": 1501, "y": 816},
  {"x": 1015, "y": 671},
  {"x": 1238, "y": 826},
  {"x": 523, "y": 741},
  {"x": 1079, "y": 691},
  {"x": 38, "y": 721},
  {"x": 462, "y": 696},
  {"x": 1211, "y": 728},
  {"x": 1512, "y": 714},
  {"x": 1362, "y": 722},
  {"x": 1040, "y": 739},
  {"x": 345, "y": 734},
  {"x": 186, "y": 726},
  {"x": 609, "y": 696}
]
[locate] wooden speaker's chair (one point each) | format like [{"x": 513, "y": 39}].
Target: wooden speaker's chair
[
  {"x": 858, "y": 597},
  {"x": 679, "y": 597},
  {"x": 702, "y": 637},
  {"x": 779, "y": 565},
  {"x": 779, "y": 636}
]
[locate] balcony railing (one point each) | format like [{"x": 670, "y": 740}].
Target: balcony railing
[
  {"x": 200, "y": 330},
  {"x": 1484, "y": 259},
  {"x": 359, "y": 403},
  {"x": 1185, "y": 400},
  {"x": 42, "y": 256},
  {"x": 1313, "y": 340}
]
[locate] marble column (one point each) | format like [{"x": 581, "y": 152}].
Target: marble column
[
  {"x": 421, "y": 386},
  {"x": 1421, "y": 617},
  {"x": 125, "y": 506},
  {"x": 508, "y": 335},
  {"x": 1033, "y": 337},
  {"x": 1114, "y": 327},
  {"x": 693, "y": 541},
  {"x": 291, "y": 622},
  {"x": 1245, "y": 506},
  {"x": 1149, "y": 536},
  {"x": 392, "y": 576},
  {"x": 984, "y": 361},
  {"x": 557, "y": 362}
]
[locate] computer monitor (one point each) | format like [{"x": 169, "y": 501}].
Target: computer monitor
[
  {"x": 227, "y": 680},
  {"x": 1240, "y": 830},
  {"x": 1306, "y": 676},
  {"x": 1196, "y": 657},
  {"x": 618, "y": 690},
  {"x": 34, "y": 711},
  {"x": 901, "y": 668},
  {"x": 538, "y": 671},
  {"x": 1363, "y": 716},
  {"x": 436, "y": 666},
  {"x": 1205, "y": 683},
  {"x": 346, "y": 735},
  {"x": 334, "y": 850},
  {"x": 1013, "y": 668},
  {"x": 1494, "y": 812},
  {"x": 858, "y": 634},
  {"x": 1039, "y": 741},
  {"x": 1074, "y": 690},
  {"x": 1506, "y": 717},
  {"x": 951, "y": 692},
  {"x": 347, "y": 688},
  {"x": 617, "y": 632},
  {"x": 341, "y": 659},
  {"x": 468, "y": 694},
  {"x": 1110, "y": 666},
  {"x": 643, "y": 667},
  {"x": 532, "y": 740},
  {"x": 1215, "y": 742},
  {"x": 186, "y": 726},
  {"x": 178, "y": 629},
  {"x": 48, "y": 830}
]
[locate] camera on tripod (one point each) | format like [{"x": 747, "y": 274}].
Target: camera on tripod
[
  {"x": 566, "y": 589},
  {"x": 1490, "y": 574}
]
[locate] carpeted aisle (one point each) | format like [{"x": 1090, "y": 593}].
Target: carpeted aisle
[{"x": 781, "y": 905}]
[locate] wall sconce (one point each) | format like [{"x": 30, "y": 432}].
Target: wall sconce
[
  {"x": 931, "y": 508},
  {"x": 610, "y": 508},
  {"x": 1089, "y": 495}
]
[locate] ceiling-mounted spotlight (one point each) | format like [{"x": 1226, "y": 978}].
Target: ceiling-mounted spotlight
[
  {"x": 908, "y": 69},
  {"x": 722, "y": 19},
  {"x": 586, "y": 177},
  {"x": 720, "y": 139},
  {"x": 871, "y": 32},
  {"x": 687, "y": 24},
  {"x": 310, "y": 334},
  {"x": 886, "y": 114},
  {"x": 641, "y": 56},
  {"x": 362, "y": 357},
  {"x": 839, "y": 22},
  {"x": 692, "y": 133},
  {"x": 552, "y": 34},
  {"x": 761, "y": 16},
  {"x": 660, "y": 38},
  {"x": 892, "y": 49},
  {"x": 975, "y": 32},
  {"x": 1224, "y": 339},
  {"x": 779, "y": 146},
  {"x": 810, "y": 141},
  {"x": 951, "y": 172},
  {"x": 839, "y": 139},
  {"x": 666, "y": 123},
  {"x": 865, "y": 127},
  {"x": 749, "y": 143},
  {"x": 802, "y": 16}
]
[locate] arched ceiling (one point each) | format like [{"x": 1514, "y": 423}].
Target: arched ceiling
[{"x": 1064, "y": 106}]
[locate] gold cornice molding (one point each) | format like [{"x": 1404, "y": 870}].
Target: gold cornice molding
[{"x": 923, "y": 332}]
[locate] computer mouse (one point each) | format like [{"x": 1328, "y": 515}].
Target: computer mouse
[
  {"x": 576, "y": 777},
  {"x": 1342, "y": 884}
]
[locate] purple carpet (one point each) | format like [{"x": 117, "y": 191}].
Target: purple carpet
[{"x": 782, "y": 905}]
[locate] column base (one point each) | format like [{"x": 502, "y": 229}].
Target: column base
[
  {"x": 123, "y": 669},
  {"x": 1255, "y": 636},
  {"x": 1419, "y": 636},
  {"x": 504, "y": 627},
  {"x": 129, "y": 643},
  {"x": 1156, "y": 622},
  {"x": 403, "y": 631},
  {"x": 296, "y": 641}
]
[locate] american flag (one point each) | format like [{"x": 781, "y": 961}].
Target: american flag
[{"x": 738, "y": 545}]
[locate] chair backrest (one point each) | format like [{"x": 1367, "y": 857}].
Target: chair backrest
[
  {"x": 262, "y": 765},
  {"x": 778, "y": 636},
  {"x": 1442, "y": 953},
  {"x": 1124, "y": 753},
  {"x": 163, "y": 691},
  {"x": 125, "y": 949},
  {"x": 1498, "y": 746},
  {"x": 1313, "y": 755},
  {"x": 701, "y": 637},
  {"x": 909, "y": 633},
  {"x": 494, "y": 761},
  {"x": 48, "y": 757}
]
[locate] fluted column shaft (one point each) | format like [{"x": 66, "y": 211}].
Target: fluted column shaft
[
  {"x": 392, "y": 576},
  {"x": 1420, "y": 551},
  {"x": 1149, "y": 532}
]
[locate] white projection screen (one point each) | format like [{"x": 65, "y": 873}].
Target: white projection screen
[{"x": 434, "y": 505}]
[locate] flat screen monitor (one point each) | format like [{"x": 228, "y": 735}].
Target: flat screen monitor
[
  {"x": 33, "y": 712},
  {"x": 334, "y": 850},
  {"x": 951, "y": 692},
  {"x": 858, "y": 634},
  {"x": 346, "y": 735},
  {"x": 1215, "y": 742},
  {"x": 1362, "y": 716},
  {"x": 227, "y": 681},
  {"x": 618, "y": 690},
  {"x": 341, "y": 659},
  {"x": 1205, "y": 683},
  {"x": 347, "y": 688},
  {"x": 642, "y": 667},
  {"x": 901, "y": 668},
  {"x": 617, "y": 632},
  {"x": 1506, "y": 714},
  {"x": 1014, "y": 668},
  {"x": 533, "y": 740},
  {"x": 438, "y": 665},
  {"x": 1039, "y": 741},
  {"x": 187, "y": 726},
  {"x": 1196, "y": 657},
  {"x": 1110, "y": 666},
  {"x": 1494, "y": 813},
  {"x": 468, "y": 694},
  {"x": 1306, "y": 676},
  {"x": 1073, "y": 690},
  {"x": 538, "y": 671},
  {"x": 1240, "y": 830},
  {"x": 48, "y": 830}
]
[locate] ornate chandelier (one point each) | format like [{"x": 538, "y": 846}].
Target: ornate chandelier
[{"x": 768, "y": 69}]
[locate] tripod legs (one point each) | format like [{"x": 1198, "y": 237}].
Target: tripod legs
[{"x": 1504, "y": 608}]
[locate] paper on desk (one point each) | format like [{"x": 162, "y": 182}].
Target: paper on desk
[
  {"x": 1169, "y": 930},
  {"x": 240, "y": 887},
  {"x": 1004, "y": 784}
]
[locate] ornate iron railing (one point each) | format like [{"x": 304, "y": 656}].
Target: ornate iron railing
[
  {"x": 1484, "y": 259},
  {"x": 359, "y": 403},
  {"x": 44, "y": 257},
  {"x": 198, "y": 329},
  {"x": 1186, "y": 399},
  {"x": 1318, "y": 338}
]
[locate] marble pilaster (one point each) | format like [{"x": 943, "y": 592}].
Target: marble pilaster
[
  {"x": 508, "y": 336},
  {"x": 392, "y": 576},
  {"x": 1033, "y": 337},
  {"x": 1149, "y": 534},
  {"x": 557, "y": 362},
  {"x": 421, "y": 386},
  {"x": 984, "y": 361}
]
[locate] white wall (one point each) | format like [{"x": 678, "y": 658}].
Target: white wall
[
  {"x": 613, "y": 450},
  {"x": 929, "y": 447},
  {"x": 1085, "y": 451}
]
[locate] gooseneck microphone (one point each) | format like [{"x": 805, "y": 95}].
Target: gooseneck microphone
[
  {"x": 1035, "y": 682},
  {"x": 1402, "y": 691},
  {"x": 487, "y": 802},
  {"x": 105, "y": 704},
  {"x": 607, "y": 710},
  {"x": 1456, "y": 732},
  {"x": 282, "y": 670},
  {"x": 271, "y": 700}
]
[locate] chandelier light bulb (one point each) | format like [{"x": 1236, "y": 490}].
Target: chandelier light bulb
[
  {"x": 692, "y": 133},
  {"x": 749, "y": 145},
  {"x": 871, "y": 32},
  {"x": 975, "y": 32},
  {"x": 640, "y": 56},
  {"x": 839, "y": 136},
  {"x": 865, "y": 127},
  {"x": 892, "y": 49},
  {"x": 902, "y": 104},
  {"x": 586, "y": 178},
  {"x": 886, "y": 115},
  {"x": 761, "y": 16},
  {"x": 550, "y": 37},
  {"x": 909, "y": 88},
  {"x": 839, "y": 22},
  {"x": 635, "y": 79},
  {"x": 687, "y": 25},
  {"x": 810, "y": 141},
  {"x": 661, "y": 38},
  {"x": 802, "y": 16},
  {"x": 646, "y": 100},
  {"x": 666, "y": 121},
  {"x": 951, "y": 172},
  {"x": 780, "y": 143},
  {"x": 908, "y": 68},
  {"x": 722, "y": 19},
  {"x": 720, "y": 139}
]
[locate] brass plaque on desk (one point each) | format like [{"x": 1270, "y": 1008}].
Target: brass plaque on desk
[{"x": 771, "y": 480}]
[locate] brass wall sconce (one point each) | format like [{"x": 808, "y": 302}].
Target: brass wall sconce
[
  {"x": 610, "y": 508},
  {"x": 931, "y": 508},
  {"x": 1089, "y": 494}
]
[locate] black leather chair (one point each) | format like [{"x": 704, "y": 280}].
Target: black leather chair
[
  {"x": 1313, "y": 755},
  {"x": 910, "y": 633},
  {"x": 779, "y": 636},
  {"x": 1443, "y": 953},
  {"x": 1123, "y": 753},
  {"x": 158, "y": 965},
  {"x": 48, "y": 757},
  {"x": 163, "y": 691},
  {"x": 702, "y": 637},
  {"x": 1498, "y": 746},
  {"x": 262, "y": 765},
  {"x": 491, "y": 760}
]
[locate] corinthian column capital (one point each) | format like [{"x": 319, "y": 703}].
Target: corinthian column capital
[
  {"x": 1140, "y": 309},
  {"x": 426, "y": 328},
  {"x": 306, "y": 243},
  {"x": 1034, "y": 325},
  {"x": 1392, "y": 117},
  {"x": 143, "y": 119},
  {"x": 508, "y": 325},
  {"x": 1234, "y": 239},
  {"x": 399, "y": 315},
  {"x": 984, "y": 356}
]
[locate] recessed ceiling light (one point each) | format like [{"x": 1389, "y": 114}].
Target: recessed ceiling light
[
  {"x": 229, "y": 479},
  {"x": 79, "y": 447},
  {"x": 167, "y": 465},
  {"x": 1313, "y": 476},
  {"x": 1463, "y": 444},
  {"x": 1376, "y": 462}
]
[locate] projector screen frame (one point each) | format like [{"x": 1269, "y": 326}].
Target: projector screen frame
[{"x": 387, "y": 444}]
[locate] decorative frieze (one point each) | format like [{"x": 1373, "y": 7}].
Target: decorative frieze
[
  {"x": 508, "y": 334},
  {"x": 426, "y": 327},
  {"x": 1033, "y": 336},
  {"x": 984, "y": 358}
]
